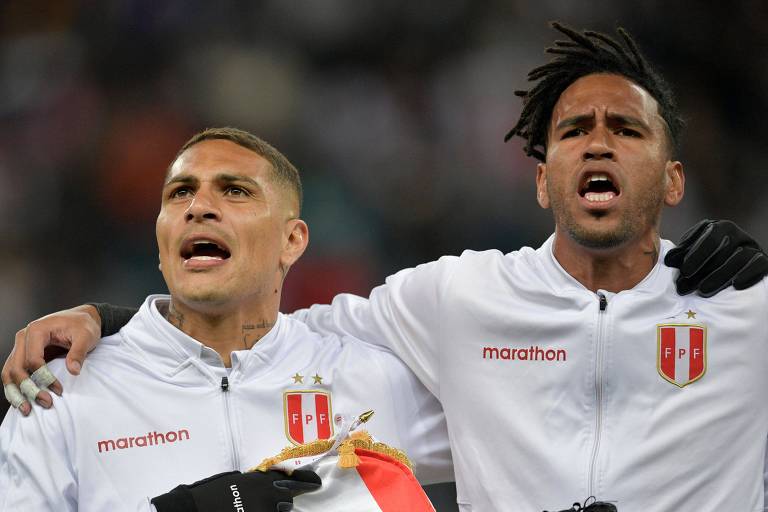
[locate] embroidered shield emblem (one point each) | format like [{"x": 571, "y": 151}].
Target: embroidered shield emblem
[
  {"x": 308, "y": 416},
  {"x": 682, "y": 352}
]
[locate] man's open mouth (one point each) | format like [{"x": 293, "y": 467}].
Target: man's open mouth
[
  {"x": 598, "y": 188},
  {"x": 203, "y": 249}
]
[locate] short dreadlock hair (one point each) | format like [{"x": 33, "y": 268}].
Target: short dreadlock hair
[{"x": 588, "y": 53}]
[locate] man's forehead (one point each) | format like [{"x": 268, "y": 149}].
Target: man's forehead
[
  {"x": 209, "y": 158},
  {"x": 605, "y": 92}
]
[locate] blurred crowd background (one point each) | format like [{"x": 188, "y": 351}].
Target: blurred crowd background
[{"x": 394, "y": 111}]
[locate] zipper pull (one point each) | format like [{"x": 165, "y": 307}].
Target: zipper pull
[
  {"x": 603, "y": 301},
  {"x": 224, "y": 384}
]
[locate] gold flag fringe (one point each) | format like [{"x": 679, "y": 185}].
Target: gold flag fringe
[{"x": 347, "y": 456}]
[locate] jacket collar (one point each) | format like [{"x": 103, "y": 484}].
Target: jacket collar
[
  {"x": 562, "y": 281},
  {"x": 171, "y": 350}
]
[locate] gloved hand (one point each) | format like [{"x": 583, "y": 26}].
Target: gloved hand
[
  {"x": 272, "y": 491},
  {"x": 595, "y": 506},
  {"x": 715, "y": 254}
]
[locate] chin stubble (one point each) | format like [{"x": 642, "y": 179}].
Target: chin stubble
[{"x": 633, "y": 221}]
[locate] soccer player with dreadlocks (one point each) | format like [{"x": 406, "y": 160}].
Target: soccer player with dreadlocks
[
  {"x": 578, "y": 369},
  {"x": 575, "y": 369}
]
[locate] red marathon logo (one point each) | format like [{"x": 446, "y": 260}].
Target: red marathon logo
[
  {"x": 532, "y": 353},
  {"x": 149, "y": 439}
]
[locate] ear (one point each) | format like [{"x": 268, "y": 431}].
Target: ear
[
  {"x": 295, "y": 240},
  {"x": 542, "y": 197},
  {"x": 675, "y": 183}
]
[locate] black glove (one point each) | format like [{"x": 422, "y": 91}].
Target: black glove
[
  {"x": 715, "y": 254},
  {"x": 595, "y": 506},
  {"x": 272, "y": 491}
]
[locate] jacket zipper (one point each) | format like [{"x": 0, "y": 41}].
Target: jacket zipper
[
  {"x": 598, "y": 393},
  {"x": 228, "y": 419}
]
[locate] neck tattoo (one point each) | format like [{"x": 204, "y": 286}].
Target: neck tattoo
[
  {"x": 174, "y": 317},
  {"x": 251, "y": 331}
]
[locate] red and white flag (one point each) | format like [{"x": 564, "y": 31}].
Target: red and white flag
[
  {"x": 358, "y": 473},
  {"x": 379, "y": 483}
]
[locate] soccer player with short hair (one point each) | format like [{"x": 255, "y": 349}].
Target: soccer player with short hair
[{"x": 212, "y": 379}]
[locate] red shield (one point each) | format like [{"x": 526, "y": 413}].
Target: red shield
[
  {"x": 307, "y": 416},
  {"x": 682, "y": 352}
]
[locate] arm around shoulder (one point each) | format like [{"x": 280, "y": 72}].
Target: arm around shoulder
[
  {"x": 113, "y": 318},
  {"x": 73, "y": 332},
  {"x": 403, "y": 315}
]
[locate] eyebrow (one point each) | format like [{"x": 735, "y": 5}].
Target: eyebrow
[
  {"x": 628, "y": 120},
  {"x": 187, "y": 179},
  {"x": 574, "y": 121},
  {"x": 613, "y": 118},
  {"x": 232, "y": 178},
  {"x": 182, "y": 178}
]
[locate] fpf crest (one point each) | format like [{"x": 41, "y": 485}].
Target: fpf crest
[
  {"x": 682, "y": 352},
  {"x": 308, "y": 415}
]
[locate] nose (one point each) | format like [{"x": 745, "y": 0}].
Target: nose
[
  {"x": 202, "y": 208},
  {"x": 599, "y": 146}
]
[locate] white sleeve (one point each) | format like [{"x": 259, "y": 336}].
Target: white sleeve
[
  {"x": 419, "y": 421},
  {"x": 36, "y": 470},
  {"x": 402, "y": 315}
]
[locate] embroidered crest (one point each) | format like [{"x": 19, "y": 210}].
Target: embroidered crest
[
  {"x": 682, "y": 352},
  {"x": 308, "y": 415}
]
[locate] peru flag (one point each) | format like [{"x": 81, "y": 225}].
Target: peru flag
[
  {"x": 379, "y": 484},
  {"x": 682, "y": 352}
]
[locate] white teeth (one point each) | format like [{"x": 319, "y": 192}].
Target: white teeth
[
  {"x": 205, "y": 258},
  {"x": 196, "y": 242},
  {"x": 597, "y": 177},
  {"x": 594, "y": 197}
]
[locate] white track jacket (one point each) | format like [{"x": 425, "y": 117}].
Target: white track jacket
[
  {"x": 553, "y": 393},
  {"x": 154, "y": 408}
]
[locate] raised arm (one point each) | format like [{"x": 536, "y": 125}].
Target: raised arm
[
  {"x": 403, "y": 315},
  {"x": 73, "y": 332}
]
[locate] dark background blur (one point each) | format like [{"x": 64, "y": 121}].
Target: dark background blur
[{"x": 394, "y": 111}]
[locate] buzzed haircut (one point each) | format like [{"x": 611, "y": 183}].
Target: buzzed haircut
[
  {"x": 283, "y": 171},
  {"x": 587, "y": 53}
]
